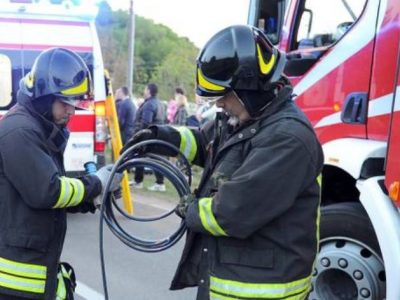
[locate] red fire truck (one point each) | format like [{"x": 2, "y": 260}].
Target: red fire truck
[
  {"x": 28, "y": 27},
  {"x": 343, "y": 60}
]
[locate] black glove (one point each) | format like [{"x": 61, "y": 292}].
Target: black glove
[
  {"x": 183, "y": 205},
  {"x": 140, "y": 136},
  {"x": 82, "y": 208},
  {"x": 181, "y": 209}
]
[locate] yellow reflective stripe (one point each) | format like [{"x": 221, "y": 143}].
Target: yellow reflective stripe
[
  {"x": 71, "y": 192},
  {"x": 319, "y": 180},
  {"x": 22, "y": 284},
  {"x": 61, "y": 290},
  {"x": 301, "y": 296},
  {"x": 260, "y": 290},
  {"x": 203, "y": 82},
  {"x": 317, "y": 222},
  {"x": 188, "y": 145},
  {"x": 64, "y": 272},
  {"x": 65, "y": 193},
  {"x": 80, "y": 89},
  {"x": 208, "y": 219},
  {"x": 79, "y": 190},
  {"x": 265, "y": 68},
  {"x": 29, "y": 80},
  {"x": 214, "y": 296},
  {"x": 22, "y": 269}
]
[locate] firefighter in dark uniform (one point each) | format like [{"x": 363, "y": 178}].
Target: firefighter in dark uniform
[
  {"x": 253, "y": 223},
  {"x": 35, "y": 192}
]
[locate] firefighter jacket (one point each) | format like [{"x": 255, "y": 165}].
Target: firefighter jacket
[
  {"x": 253, "y": 228},
  {"x": 35, "y": 194}
]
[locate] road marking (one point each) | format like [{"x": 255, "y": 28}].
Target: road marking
[{"x": 86, "y": 292}]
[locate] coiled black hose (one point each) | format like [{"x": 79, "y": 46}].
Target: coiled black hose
[{"x": 135, "y": 157}]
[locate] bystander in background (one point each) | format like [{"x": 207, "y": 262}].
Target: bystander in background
[
  {"x": 148, "y": 114},
  {"x": 126, "y": 111},
  {"x": 181, "y": 112},
  {"x": 205, "y": 111},
  {"x": 172, "y": 107}
]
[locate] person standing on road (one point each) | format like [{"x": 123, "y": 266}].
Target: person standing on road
[
  {"x": 148, "y": 114},
  {"x": 126, "y": 111},
  {"x": 35, "y": 191},
  {"x": 253, "y": 220}
]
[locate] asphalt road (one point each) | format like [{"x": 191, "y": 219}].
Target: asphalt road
[{"x": 130, "y": 274}]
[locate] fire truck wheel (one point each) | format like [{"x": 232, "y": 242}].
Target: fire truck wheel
[{"x": 349, "y": 265}]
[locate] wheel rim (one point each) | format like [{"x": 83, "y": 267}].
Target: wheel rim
[{"x": 347, "y": 269}]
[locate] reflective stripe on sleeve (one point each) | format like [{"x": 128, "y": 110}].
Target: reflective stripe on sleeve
[
  {"x": 79, "y": 190},
  {"x": 65, "y": 192},
  {"x": 208, "y": 219},
  {"x": 188, "y": 144},
  {"x": 295, "y": 290},
  {"x": 22, "y": 276},
  {"x": 71, "y": 192},
  {"x": 215, "y": 296}
]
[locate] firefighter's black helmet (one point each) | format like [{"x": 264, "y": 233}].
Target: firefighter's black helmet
[
  {"x": 61, "y": 73},
  {"x": 239, "y": 58}
]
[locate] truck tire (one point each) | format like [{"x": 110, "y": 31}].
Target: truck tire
[{"x": 349, "y": 265}]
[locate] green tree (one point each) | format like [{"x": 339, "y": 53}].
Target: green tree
[
  {"x": 177, "y": 69},
  {"x": 161, "y": 56}
]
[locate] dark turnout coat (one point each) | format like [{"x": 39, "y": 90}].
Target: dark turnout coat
[
  {"x": 253, "y": 230},
  {"x": 34, "y": 197}
]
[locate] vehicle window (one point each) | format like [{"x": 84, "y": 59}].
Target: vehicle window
[
  {"x": 270, "y": 16},
  {"x": 319, "y": 27},
  {"x": 5, "y": 81}
]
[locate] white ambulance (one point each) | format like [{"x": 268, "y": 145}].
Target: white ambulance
[{"x": 28, "y": 27}]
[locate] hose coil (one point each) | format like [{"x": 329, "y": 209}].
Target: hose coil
[{"x": 135, "y": 157}]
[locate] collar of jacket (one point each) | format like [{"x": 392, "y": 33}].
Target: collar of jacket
[
  {"x": 150, "y": 98},
  {"x": 250, "y": 128},
  {"x": 56, "y": 137}
]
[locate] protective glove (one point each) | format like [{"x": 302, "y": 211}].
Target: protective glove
[
  {"x": 104, "y": 174},
  {"x": 183, "y": 205},
  {"x": 140, "y": 136}
]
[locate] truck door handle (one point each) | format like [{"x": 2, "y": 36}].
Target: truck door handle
[{"x": 355, "y": 108}]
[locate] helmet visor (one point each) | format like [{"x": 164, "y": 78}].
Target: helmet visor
[
  {"x": 211, "y": 99},
  {"x": 207, "y": 90},
  {"x": 78, "y": 102}
]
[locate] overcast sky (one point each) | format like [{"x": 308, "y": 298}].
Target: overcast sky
[{"x": 196, "y": 19}]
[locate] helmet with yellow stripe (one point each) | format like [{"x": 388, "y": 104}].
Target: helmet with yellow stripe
[
  {"x": 61, "y": 73},
  {"x": 239, "y": 58}
]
